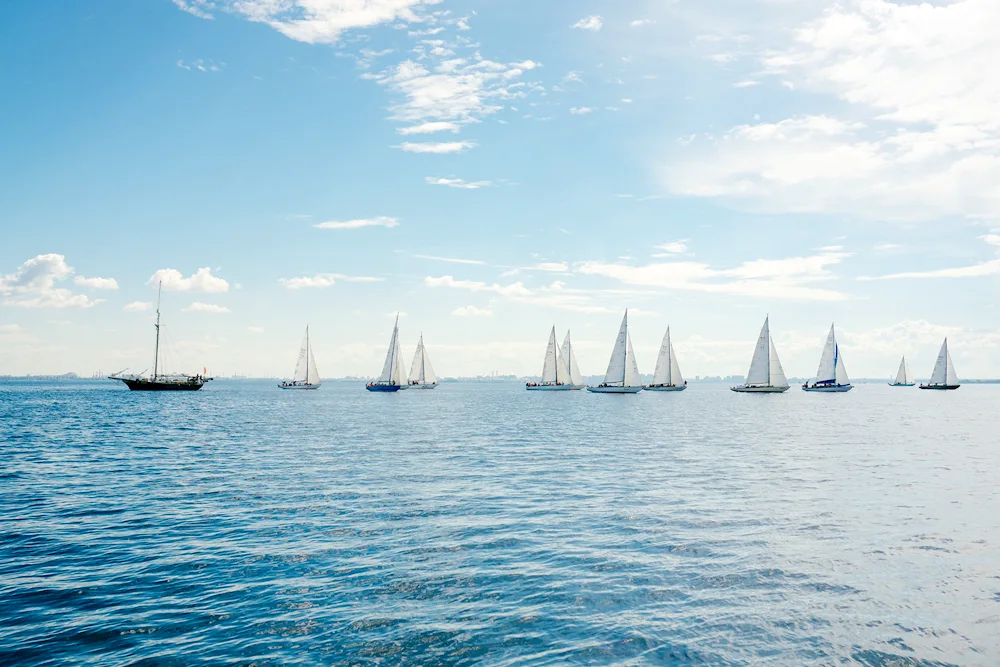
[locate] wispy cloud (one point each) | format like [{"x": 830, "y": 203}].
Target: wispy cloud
[
  {"x": 593, "y": 23},
  {"x": 436, "y": 147},
  {"x": 201, "y": 280},
  {"x": 325, "y": 280},
  {"x": 197, "y": 8},
  {"x": 138, "y": 306},
  {"x": 555, "y": 295},
  {"x": 199, "y": 307},
  {"x": 672, "y": 248},
  {"x": 641, "y": 22},
  {"x": 472, "y": 311},
  {"x": 381, "y": 221},
  {"x": 581, "y": 111},
  {"x": 451, "y": 260},
  {"x": 988, "y": 268},
  {"x": 457, "y": 183},
  {"x": 430, "y": 128}
]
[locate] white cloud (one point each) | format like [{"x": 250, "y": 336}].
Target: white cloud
[
  {"x": 580, "y": 111},
  {"x": 437, "y": 148},
  {"x": 556, "y": 267},
  {"x": 451, "y": 260},
  {"x": 593, "y": 23},
  {"x": 472, "y": 311},
  {"x": 556, "y": 295},
  {"x": 672, "y": 248},
  {"x": 430, "y": 128},
  {"x": 927, "y": 146},
  {"x": 746, "y": 84},
  {"x": 137, "y": 306},
  {"x": 201, "y": 280},
  {"x": 198, "y": 307},
  {"x": 96, "y": 283},
  {"x": 255, "y": 329},
  {"x": 457, "y": 183},
  {"x": 790, "y": 278},
  {"x": 195, "y": 7},
  {"x": 325, "y": 280},
  {"x": 380, "y": 221},
  {"x": 626, "y": 100},
  {"x": 988, "y": 268},
  {"x": 33, "y": 285},
  {"x": 641, "y": 22}
]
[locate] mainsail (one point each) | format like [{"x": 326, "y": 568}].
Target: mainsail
[
  {"x": 903, "y": 374},
  {"x": 944, "y": 374},
  {"x": 554, "y": 370},
  {"x": 305, "y": 367},
  {"x": 421, "y": 371},
  {"x": 391, "y": 373},
  {"x": 667, "y": 372},
  {"x": 765, "y": 367},
  {"x": 831, "y": 365},
  {"x": 622, "y": 368},
  {"x": 576, "y": 378}
]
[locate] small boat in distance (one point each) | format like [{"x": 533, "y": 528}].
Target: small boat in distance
[
  {"x": 623, "y": 372},
  {"x": 421, "y": 372},
  {"x": 158, "y": 381},
  {"x": 903, "y": 377},
  {"x": 306, "y": 375},
  {"x": 667, "y": 376},
  {"x": 391, "y": 378},
  {"x": 765, "y": 375},
  {"x": 831, "y": 376},
  {"x": 555, "y": 375},
  {"x": 575, "y": 377},
  {"x": 944, "y": 376}
]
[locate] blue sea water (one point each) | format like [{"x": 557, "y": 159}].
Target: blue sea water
[{"x": 483, "y": 524}]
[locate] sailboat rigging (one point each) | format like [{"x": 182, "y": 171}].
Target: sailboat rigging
[
  {"x": 569, "y": 355},
  {"x": 622, "y": 376},
  {"x": 306, "y": 374},
  {"x": 555, "y": 374},
  {"x": 158, "y": 381},
  {"x": 766, "y": 375}
]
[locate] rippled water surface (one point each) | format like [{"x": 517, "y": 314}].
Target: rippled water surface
[{"x": 485, "y": 524}]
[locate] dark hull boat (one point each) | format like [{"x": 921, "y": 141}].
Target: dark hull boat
[{"x": 158, "y": 382}]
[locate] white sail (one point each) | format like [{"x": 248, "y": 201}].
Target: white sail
[
  {"x": 421, "y": 371},
  {"x": 550, "y": 369},
  {"x": 776, "y": 374},
  {"x": 576, "y": 378},
  {"x": 667, "y": 372},
  {"x": 760, "y": 372},
  {"x": 632, "y": 376},
  {"x": 399, "y": 375},
  {"x": 616, "y": 366},
  {"x": 313, "y": 376},
  {"x": 827, "y": 371},
  {"x": 903, "y": 374},
  {"x": 840, "y": 372},
  {"x": 391, "y": 362},
  {"x": 944, "y": 371},
  {"x": 302, "y": 363}
]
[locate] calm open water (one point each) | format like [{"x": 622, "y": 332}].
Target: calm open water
[{"x": 483, "y": 524}]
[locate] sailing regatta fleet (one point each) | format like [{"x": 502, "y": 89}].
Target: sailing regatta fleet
[{"x": 561, "y": 372}]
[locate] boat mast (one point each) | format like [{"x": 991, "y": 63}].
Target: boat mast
[
  {"x": 307, "y": 354},
  {"x": 423, "y": 355},
  {"x": 625, "y": 352},
  {"x": 156, "y": 351},
  {"x": 767, "y": 324}
]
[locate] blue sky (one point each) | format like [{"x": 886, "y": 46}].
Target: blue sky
[{"x": 490, "y": 169}]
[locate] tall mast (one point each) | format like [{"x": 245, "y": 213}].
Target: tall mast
[
  {"x": 156, "y": 352},
  {"x": 307, "y": 354},
  {"x": 625, "y": 358},
  {"x": 423, "y": 355},
  {"x": 767, "y": 323}
]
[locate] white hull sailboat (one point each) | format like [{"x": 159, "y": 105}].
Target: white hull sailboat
[
  {"x": 667, "y": 376},
  {"x": 421, "y": 372},
  {"x": 623, "y": 372},
  {"x": 944, "y": 375},
  {"x": 306, "y": 374},
  {"x": 831, "y": 376},
  {"x": 765, "y": 375},
  {"x": 903, "y": 377},
  {"x": 575, "y": 377},
  {"x": 555, "y": 374},
  {"x": 392, "y": 377}
]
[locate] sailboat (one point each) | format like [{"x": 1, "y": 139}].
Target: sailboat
[
  {"x": 392, "y": 378},
  {"x": 158, "y": 381},
  {"x": 623, "y": 372},
  {"x": 575, "y": 377},
  {"x": 903, "y": 377},
  {"x": 306, "y": 374},
  {"x": 831, "y": 376},
  {"x": 944, "y": 376},
  {"x": 765, "y": 375},
  {"x": 667, "y": 376},
  {"x": 555, "y": 374},
  {"x": 421, "y": 372}
]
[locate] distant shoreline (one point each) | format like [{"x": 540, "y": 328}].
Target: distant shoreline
[{"x": 73, "y": 377}]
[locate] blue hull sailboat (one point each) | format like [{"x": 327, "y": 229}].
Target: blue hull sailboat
[
  {"x": 392, "y": 378},
  {"x": 831, "y": 376}
]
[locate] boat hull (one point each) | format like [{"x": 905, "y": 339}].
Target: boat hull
[
  {"x": 383, "y": 388},
  {"x": 423, "y": 386},
  {"x": 615, "y": 390},
  {"x": 149, "y": 385},
  {"x": 548, "y": 387},
  {"x": 666, "y": 387},
  {"x": 902, "y": 384},
  {"x": 303, "y": 387},
  {"x": 940, "y": 387},
  {"x": 829, "y": 389},
  {"x": 743, "y": 389}
]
